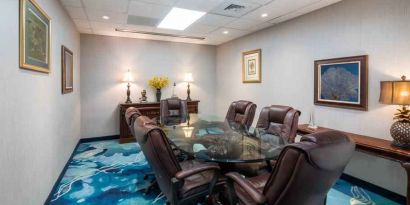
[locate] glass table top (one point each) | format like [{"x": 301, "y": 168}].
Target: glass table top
[{"x": 206, "y": 138}]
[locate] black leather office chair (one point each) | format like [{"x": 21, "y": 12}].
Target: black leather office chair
[
  {"x": 186, "y": 182},
  {"x": 173, "y": 111},
  {"x": 303, "y": 175}
]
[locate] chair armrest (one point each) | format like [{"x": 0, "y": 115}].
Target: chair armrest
[
  {"x": 247, "y": 187},
  {"x": 195, "y": 170}
]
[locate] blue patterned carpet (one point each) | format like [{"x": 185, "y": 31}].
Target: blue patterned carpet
[{"x": 107, "y": 172}]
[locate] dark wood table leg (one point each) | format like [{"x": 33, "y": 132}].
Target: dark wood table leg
[{"x": 406, "y": 166}]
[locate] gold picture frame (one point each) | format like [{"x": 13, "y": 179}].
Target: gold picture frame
[
  {"x": 251, "y": 66},
  {"x": 67, "y": 70},
  {"x": 35, "y": 37}
]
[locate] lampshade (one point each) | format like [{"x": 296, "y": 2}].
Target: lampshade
[
  {"x": 395, "y": 92},
  {"x": 188, "y": 131},
  {"x": 128, "y": 77},
  {"x": 188, "y": 77}
]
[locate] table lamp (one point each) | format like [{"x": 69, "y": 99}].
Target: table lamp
[
  {"x": 188, "y": 78},
  {"x": 128, "y": 79},
  {"x": 398, "y": 93}
]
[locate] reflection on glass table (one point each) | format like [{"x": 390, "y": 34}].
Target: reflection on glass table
[{"x": 206, "y": 138}]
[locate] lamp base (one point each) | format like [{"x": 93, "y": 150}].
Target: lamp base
[
  {"x": 128, "y": 94},
  {"x": 400, "y": 145},
  {"x": 188, "y": 98},
  {"x": 128, "y": 101},
  {"x": 400, "y": 131}
]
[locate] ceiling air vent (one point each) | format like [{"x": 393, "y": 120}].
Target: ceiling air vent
[
  {"x": 234, "y": 7},
  {"x": 158, "y": 34}
]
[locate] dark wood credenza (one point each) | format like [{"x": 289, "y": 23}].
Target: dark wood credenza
[
  {"x": 373, "y": 146},
  {"x": 150, "y": 109}
]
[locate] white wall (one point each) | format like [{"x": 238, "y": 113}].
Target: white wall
[
  {"x": 39, "y": 127},
  {"x": 378, "y": 28},
  {"x": 105, "y": 60}
]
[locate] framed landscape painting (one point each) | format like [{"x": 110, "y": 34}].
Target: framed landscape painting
[
  {"x": 342, "y": 82},
  {"x": 34, "y": 37},
  {"x": 67, "y": 70},
  {"x": 251, "y": 66}
]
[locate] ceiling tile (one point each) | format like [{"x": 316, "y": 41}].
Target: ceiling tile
[
  {"x": 256, "y": 14},
  {"x": 262, "y": 2},
  {"x": 232, "y": 33},
  {"x": 103, "y": 26},
  {"x": 281, "y": 7},
  {"x": 85, "y": 30},
  {"x": 119, "y": 6},
  {"x": 148, "y": 10},
  {"x": 96, "y": 15},
  {"x": 76, "y": 12},
  {"x": 261, "y": 26},
  {"x": 217, "y": 37},
  {"x": 200, "y": 28},
  {"x": 303, "y": 10},
  {"x": 98, "y": 27},
  {"x": 136, "y": 27},
  {"x": 82, "y": 24},
  {"x": 73, "y": 3},
  {"x": 215, "y": 20},
  {"x": 199, "y": 5},
  {"x": 160, "y": 2},
  {"x": 243, "y": 24},
  {"x": 141, "y": 20}
]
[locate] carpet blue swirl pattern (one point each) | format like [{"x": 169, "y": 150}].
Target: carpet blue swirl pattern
[{"x": 106, "y": 172}]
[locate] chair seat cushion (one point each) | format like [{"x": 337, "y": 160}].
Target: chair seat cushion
[
  {"x": 174, "y": 113},
  {"x": 258, "y": 182},
  {"x": 196, "y": 183},
  {"x": 275, "y": 128},
  {"x": 250, "y": 169}
]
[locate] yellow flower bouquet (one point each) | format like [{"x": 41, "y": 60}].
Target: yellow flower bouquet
[{"x": 158, "y": 82}]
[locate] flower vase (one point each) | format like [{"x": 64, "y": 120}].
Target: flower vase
[{"x": 158, "y": 95}]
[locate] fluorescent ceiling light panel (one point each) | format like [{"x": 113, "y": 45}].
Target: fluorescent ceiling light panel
[{"x": 180, "y": 19}]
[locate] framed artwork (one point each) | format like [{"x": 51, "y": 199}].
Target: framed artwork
[
  {"x": 67, "y": 70},
  {"x": 34, "y": 37},
  {"x": 342, "y": 82},
  {"x": 251, "y": 66}
]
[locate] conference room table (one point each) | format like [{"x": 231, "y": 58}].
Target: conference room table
[{"x": 208, "y": 138}]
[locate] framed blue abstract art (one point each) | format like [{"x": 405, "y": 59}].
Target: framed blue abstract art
[{"x": 342, "y": 82}]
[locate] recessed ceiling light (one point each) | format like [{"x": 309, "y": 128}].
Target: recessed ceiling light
[
  {"x": 264, "y": 15},
  {"x": 180, "y": 19},
  {"x": 106, "y": 17},
  {"x": 225, "y": 32}
]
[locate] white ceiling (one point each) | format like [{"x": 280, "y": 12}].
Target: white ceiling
[{"x": 87, "y": 15}]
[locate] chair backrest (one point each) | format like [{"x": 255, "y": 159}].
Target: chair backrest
[
  {"x": 131, "y": 114},
  {"x": 173, "y": 111},
  {"x": 307, "y": 170},
  {"x": 281, "y": 120},
  {"x": 241, "y": 112},
  {"x": 158, "y": 152}
]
